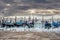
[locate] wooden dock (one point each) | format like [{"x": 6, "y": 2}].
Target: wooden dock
[{"x": 29, "y": 36}]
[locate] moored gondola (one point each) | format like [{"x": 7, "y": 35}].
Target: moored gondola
[
  {"x": 47, "y": 25},
  {"x": 18, "y": 24},
  {"x": 56, "y": 24}
]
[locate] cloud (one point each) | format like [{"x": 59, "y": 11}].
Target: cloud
[
  {"x": 29, "y": 1},
  {"x": 24, "y": 5},
  {"x": 7, "y": 1}
]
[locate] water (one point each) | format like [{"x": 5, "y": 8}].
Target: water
[{"x": 37, "y": 28}]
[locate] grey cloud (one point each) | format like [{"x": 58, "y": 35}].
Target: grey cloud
[
  {"x": 23, "y": 7},
  {"x": 7, "y": 1},
  {"x": 41, "y": 1},
  {"x": 29, "y": 1},
  {"x": 28, "y": 4},
  {"x": 1, "y": 7}
]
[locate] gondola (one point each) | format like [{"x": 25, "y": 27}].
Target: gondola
[
  {"x": 19, "y": 23},
  {"x": 31, "y": 24},
  {"x": 56, "y": 24},
  {"x": 47, "y": 25},
  {"x": 7, "y": 24}
]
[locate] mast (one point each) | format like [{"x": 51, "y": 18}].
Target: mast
[
  {"x": 43, "y": 21},
  {"x": 15, "y": 18},
  {"x": 10, "y": 20},
  {"x": 3, "y": 20}
]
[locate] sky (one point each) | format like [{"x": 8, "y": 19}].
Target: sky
[{"x": 17, "y": 7}]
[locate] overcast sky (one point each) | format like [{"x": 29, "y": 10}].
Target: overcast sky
[{"x": 10, "y": 7}]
